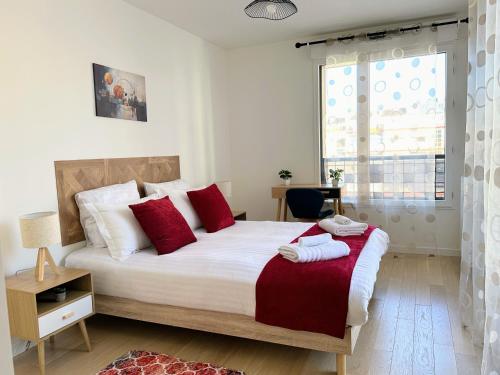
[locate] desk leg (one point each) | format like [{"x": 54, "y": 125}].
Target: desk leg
[
  {"x": 341, "y": 208},
  {"x": 285, "y": 213},
  {"x": 278, "y": 211},
  {"x": 334, "y": 206},
  {"x": 41, "y": 357}
]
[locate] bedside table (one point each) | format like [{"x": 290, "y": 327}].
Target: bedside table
[
  {"x": 37, "y": 320},
  {"x": 239, "y": 215}
]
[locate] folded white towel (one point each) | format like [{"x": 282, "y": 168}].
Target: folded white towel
[
  {"x": 315, "y": 240},
  {"x": 339, "y": 219},
  {"x": 345, "y": 233},
  {"x": 301, "y": 254},
  {"x": 352, "y": 229}
]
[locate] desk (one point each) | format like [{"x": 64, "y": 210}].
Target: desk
[{"x": 279, "y": 192}]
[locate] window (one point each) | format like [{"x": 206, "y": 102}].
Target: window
[{"x": 390, "y": 116}]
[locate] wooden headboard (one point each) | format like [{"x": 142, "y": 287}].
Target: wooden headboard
[{"x": 74, "y": 176}]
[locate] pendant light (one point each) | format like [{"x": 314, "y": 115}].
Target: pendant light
[{"x": 271, "y": 9}]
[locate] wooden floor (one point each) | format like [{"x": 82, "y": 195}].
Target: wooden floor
[{"x": 414, "y": 328}]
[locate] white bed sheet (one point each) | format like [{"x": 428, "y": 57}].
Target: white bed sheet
[{"x": 220, "y": 270}]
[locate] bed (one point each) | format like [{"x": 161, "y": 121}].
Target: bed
[{"x": 208, "y": 285}]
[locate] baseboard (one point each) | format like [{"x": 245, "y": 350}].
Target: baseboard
[{"x": 424, "y": 250}]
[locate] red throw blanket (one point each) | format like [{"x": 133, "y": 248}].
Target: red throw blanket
[{"x": 310, "y": 297}]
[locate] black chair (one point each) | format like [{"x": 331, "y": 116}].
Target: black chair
[{"x": 307, "y": 204}]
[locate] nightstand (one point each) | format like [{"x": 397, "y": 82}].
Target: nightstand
[
  {"x": 37, "y": 321},
  {"x": 239, "y": 215}
]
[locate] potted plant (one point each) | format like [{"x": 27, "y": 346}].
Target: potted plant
[
  {"x": 286, "y": 176},
  {"x": 336, "y": 176}
]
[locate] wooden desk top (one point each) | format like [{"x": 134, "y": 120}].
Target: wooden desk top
[{"x": 279, "y": 191}]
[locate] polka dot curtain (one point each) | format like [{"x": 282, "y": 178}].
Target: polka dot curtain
[
  {"x": 480, "y": 268},
  {"x": 383, "y": 101}
]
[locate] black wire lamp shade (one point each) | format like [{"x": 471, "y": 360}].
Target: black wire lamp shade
[{"x": 271, "y": 9}]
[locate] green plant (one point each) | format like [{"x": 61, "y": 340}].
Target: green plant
[
  {"x": 336, "y": 174},
  {"x": 285, "y": 174}
]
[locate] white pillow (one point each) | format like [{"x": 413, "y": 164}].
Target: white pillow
[
  {"x": 107, "y": 194},
  {"x": 181, "y": 201},
  {"x": 119, "y": 227},
  {"x": 152, "y": 188},
  {"x": 176, "y": 190}
]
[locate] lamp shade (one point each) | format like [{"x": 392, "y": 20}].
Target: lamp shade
[
  {"x": 225, "y": 187},
  {"x": 271, "y": 9},
  {"x": 40, "y": 229}
]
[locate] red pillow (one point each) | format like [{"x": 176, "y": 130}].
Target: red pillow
[
  {"x": 163, "y": 224},
  {"x": 212, "y": 208}
]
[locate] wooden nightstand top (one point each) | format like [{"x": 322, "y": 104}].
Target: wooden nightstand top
[{"x": 26, "y": 282}]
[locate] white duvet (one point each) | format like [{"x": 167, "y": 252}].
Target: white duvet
[{"x": 220, "y": 270}]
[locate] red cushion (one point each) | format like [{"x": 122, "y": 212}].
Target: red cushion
[
  {"x": 212, "y": 208},
  {"x": 163, "y": 224}
]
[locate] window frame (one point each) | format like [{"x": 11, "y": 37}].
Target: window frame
[{"x": 452, "y": 161}]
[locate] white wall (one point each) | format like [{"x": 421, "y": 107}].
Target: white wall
[
  {"x": 6, "y": 366},
  {"x": 272, "y": 116},
  {"x": 47, "y": 101}
]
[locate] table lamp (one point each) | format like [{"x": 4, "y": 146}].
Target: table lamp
[
  {"x": 39, "y": 230},
  {"x": 225, "y": 188}
]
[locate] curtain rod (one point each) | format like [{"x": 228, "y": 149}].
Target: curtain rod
[{"x": 382, "y": 34}]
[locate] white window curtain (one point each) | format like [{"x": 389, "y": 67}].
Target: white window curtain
[
  {"x": 480, "y": 267},
  {"x": 375, "y": 127}
]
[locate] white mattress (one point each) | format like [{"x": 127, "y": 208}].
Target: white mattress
[{"x": 219, "y": 272}]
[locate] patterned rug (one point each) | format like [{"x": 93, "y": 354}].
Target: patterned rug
[{"x": 138, "y": 362}]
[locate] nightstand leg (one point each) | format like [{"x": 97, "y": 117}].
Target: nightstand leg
[
  {"x": 85, "y": 335},
  {"x": 41, "y": 357}
]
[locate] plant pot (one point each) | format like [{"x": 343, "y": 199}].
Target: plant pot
[
  {"x": 335, "y": 183},
  {"x": 286, "y": 182}
]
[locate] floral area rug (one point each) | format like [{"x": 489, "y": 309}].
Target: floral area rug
[{"x": 138, "y": 362}]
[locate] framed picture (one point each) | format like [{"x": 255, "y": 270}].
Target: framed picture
[{"x": 119, "y": 94}]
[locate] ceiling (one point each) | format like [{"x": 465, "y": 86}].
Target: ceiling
[{"x": 224, "y": 23}]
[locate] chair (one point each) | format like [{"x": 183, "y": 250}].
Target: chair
[{"x": 307, "y": 204}]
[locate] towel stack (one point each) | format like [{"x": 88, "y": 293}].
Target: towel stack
[
  {"x": 343, "y": 226},
  {"x": 314, "y": 248}
]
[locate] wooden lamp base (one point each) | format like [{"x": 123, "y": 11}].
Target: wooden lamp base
[{"x": 44, "y": 256}]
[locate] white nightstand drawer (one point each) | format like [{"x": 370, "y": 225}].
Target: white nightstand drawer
[{"x": 68, "y": 314}]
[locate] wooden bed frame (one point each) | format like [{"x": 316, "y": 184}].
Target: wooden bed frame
[{"x": 79, "y": 175}]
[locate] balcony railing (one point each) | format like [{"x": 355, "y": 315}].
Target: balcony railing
[{"x": 412, "y": 177}]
